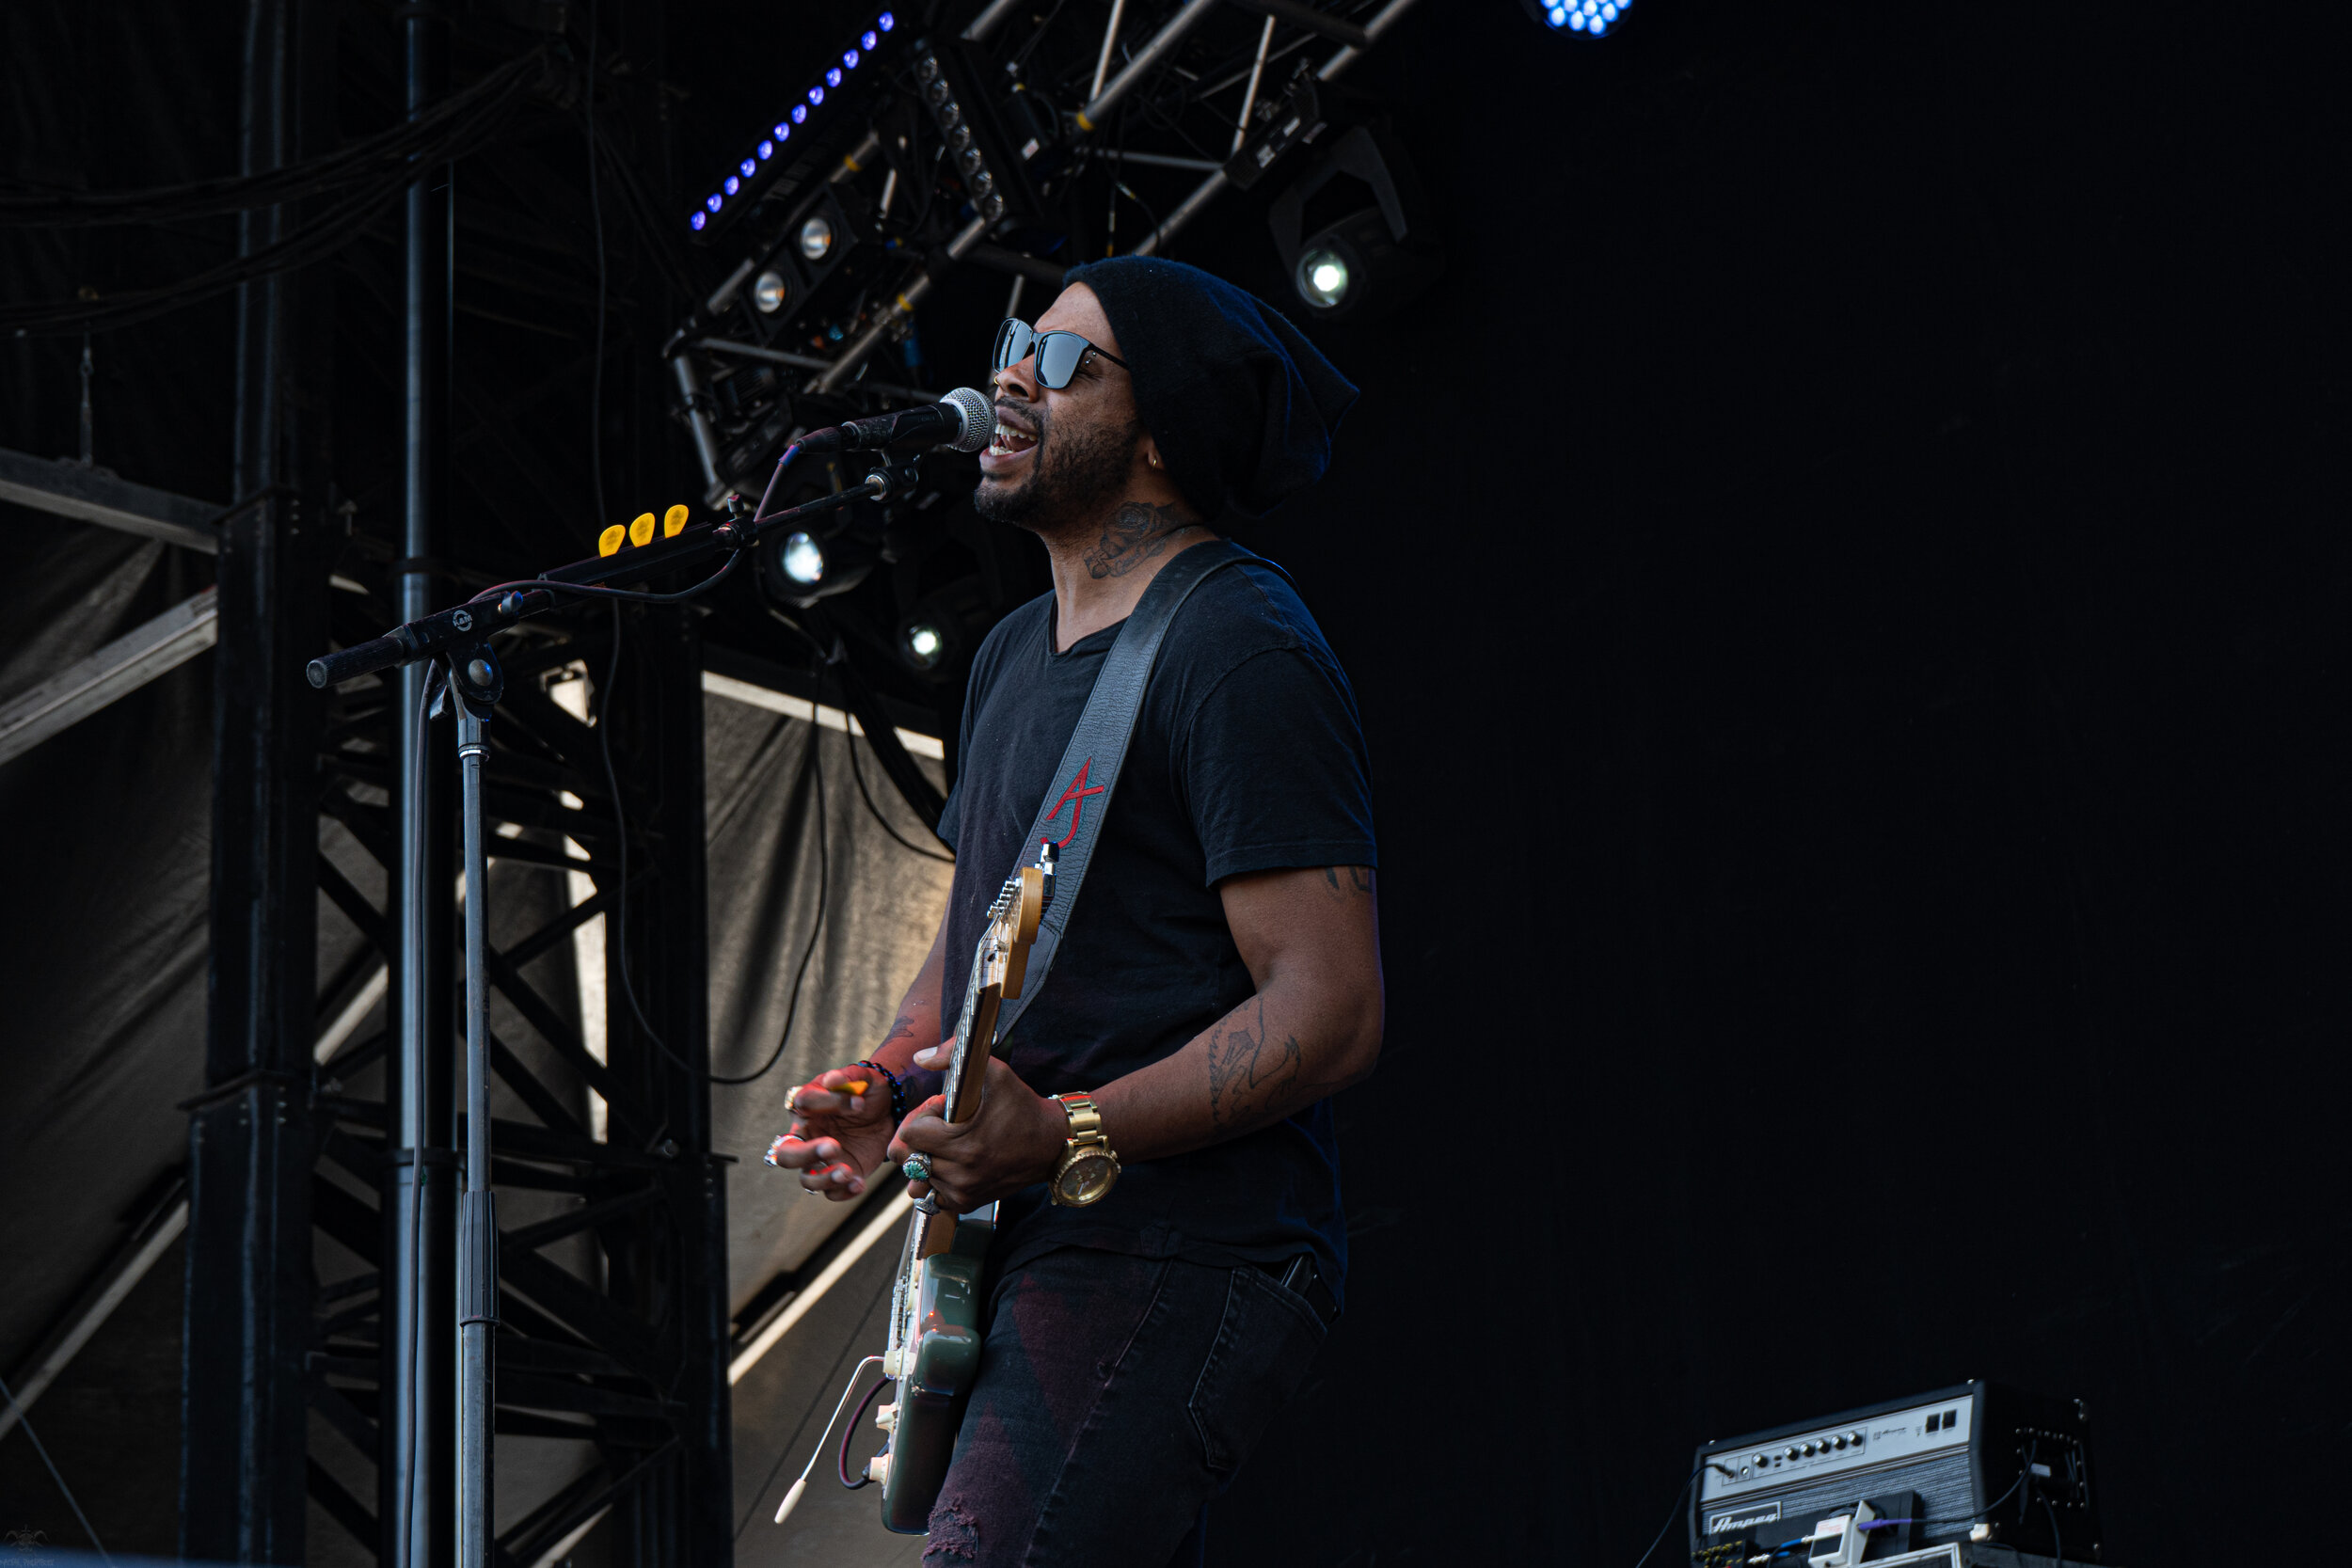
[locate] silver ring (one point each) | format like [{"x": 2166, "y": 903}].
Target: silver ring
[{"x": 917, "y": 1167}]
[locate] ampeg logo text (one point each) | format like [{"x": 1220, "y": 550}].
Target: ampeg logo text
[{"x": 1718, "y": 1523}]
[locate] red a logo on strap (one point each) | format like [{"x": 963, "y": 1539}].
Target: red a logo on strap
[{"x": 1074, "y": 797}]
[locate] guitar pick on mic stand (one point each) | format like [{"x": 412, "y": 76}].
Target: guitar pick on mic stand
[{"x": 458, "y": 639}]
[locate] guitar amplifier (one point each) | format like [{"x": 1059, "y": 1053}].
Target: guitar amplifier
[{"x": 1978, "y": 1463}]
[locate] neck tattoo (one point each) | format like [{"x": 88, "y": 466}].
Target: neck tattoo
[{"x": 1136, "y": 532}]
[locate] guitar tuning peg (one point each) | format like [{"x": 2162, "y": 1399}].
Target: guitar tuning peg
[
  {"x": 674, "y": 521},
  {"x": 641, "y": 531},
  {"x": 609, "y": 541}
]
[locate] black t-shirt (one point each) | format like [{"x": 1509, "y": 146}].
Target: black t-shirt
[{"x": 1247, "y": 757}]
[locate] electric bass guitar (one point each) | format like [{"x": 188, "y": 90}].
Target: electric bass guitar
[{"x": 934, "y": 1347}]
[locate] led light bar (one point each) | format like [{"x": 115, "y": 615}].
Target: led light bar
[{"x": 743, "y": 183}]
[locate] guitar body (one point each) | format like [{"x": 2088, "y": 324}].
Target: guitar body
[
  {"x": 934, "y": 1347},
  {"x": 943, "y": 1357}
]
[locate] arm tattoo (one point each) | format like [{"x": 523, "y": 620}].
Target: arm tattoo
[
  {"x": 1249, "y": 1076},
  {"x": 1136, "y": 532},
  {"x": 1342, "y": 882},
  {"x": 902, "y": 1028}
]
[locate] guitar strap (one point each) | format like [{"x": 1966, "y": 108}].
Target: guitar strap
[{"x": 1079, "y": 798}]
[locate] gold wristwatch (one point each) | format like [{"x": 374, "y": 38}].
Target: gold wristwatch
[{"x": 1088, "y": 1166}]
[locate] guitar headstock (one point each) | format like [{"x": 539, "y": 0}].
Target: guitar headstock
[{"x": 1031, "y": 889}]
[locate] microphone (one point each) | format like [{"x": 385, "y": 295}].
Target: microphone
[{"x": 965, "y": 420}]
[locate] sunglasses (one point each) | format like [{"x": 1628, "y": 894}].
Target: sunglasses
[{"x": 1059, "y": 353}]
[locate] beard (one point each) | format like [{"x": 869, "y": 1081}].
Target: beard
[{"x": 1076, "y": 477}]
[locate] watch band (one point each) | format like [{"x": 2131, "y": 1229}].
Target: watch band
[{"x": 1086, "y": 1122}]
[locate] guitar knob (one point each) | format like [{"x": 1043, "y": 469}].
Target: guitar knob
[
  {"x": 886, "y": 1417},
  {"x": 878, "y": 1469},
  {"x": 890, "y": 1365}
]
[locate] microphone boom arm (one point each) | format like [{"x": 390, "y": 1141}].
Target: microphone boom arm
[{"x": 466, "y": 624}]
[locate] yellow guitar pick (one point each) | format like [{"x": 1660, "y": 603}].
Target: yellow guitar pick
[
  {"x": 641, "y": 531},
  {"x": 674, "y": 522},
  {"x": 609, "y": 541}
]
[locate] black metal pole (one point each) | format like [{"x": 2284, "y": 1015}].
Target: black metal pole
[
  {"x": 478, "y": 1244},
  {"x": 416, "y": 1505},
  {"x": 247, "y": 1326},
  {"x": 678, "y": 938}
]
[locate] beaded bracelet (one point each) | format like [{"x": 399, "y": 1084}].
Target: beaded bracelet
[{"x": 898, "y": 1090}]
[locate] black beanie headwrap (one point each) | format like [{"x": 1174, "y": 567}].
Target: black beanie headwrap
[{"x": 1242, "y": 405}]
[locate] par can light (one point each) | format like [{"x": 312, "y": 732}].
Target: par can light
[
  {"x": 925, "y": 644},
  {"x": 1322, "y": 277},
  {"x": 803, "y": 560},
  {"x": 768, "y": 292},
  {"x": 1584, "y": 18},
  {"x": 816, "y": 237}
]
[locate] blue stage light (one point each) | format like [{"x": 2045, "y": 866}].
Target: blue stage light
[
  {"x": 750, "y": 167},
  {"x": 816, "y": 95},
  {"x": 1590, "y": 17},
  {"x": 698, "y": 220},
  {"x": 767, "y": 150},
  {"x": 800, "y": 113},
  {"x": 714, "y": 202},
  {"x": 832, "y": 77},
  {"x": 732, "y": 185},
  {"x": 867, "y": 39},
  {"x": 850, "y": 58},
  {"x": 885, "y": 22}
]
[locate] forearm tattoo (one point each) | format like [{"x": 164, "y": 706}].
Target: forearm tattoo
[
  {"x": 1255, "y": 1073},
  {"x": 1138, "y": 532}
]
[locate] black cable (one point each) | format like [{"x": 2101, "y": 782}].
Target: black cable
[
  {"x": 395, "y": 149},
  {"x": 1982, "y": 1512},
  {"x": 627, "y": 595},
  {"x": 620, "y": 827},
  {"x": 848, "y": 1435},
  {"x": 1672, "y": 1514},
  {"x": 342, "y": 224},
  {"x": 875, "y": 812},
  {"x": 595, "y": 209},
  {"x": 42, "y": 1448},
  {"x": 824, "y": 892}
]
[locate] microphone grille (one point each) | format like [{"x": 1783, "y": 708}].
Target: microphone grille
[{"x": 980, "y": 418}]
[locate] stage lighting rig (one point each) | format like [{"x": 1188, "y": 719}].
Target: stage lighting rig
[
  {"x": 1019, "y": 138},
  {"x": 1365, "y": 261},
  {"x": 804, "y": 119},
  {"x": 1584, "y": 18}
]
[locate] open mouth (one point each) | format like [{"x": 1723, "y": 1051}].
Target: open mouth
[{"x": 1010, "y": 441}]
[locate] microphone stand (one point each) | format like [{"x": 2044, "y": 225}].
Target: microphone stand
[{"x": 459, "y": 638}]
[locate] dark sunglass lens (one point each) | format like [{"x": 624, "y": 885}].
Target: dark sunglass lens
[
  {"x": 1012, "y": 344},
  {"x": 1058, "y": 358}
]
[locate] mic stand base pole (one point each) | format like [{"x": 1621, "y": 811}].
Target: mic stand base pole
[{"x": 475, "y": 685}]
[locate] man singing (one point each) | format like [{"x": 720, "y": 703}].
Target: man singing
[{"x": 1219, "y": 978}]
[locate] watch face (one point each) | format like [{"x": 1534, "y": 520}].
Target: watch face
[{"x": 1086, "y": 1178}]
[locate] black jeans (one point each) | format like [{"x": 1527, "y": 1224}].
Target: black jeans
[{"x": 1117, "y": 1396}]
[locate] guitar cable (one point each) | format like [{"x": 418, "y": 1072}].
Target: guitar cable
[
  {"x": 792, "y": 1497},
  {"x": 841, "y": 1461}
]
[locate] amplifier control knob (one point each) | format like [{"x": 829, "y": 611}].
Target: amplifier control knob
[
  {"x": 1762, "y": 1460},
  {"x": 1792, "y": 1452},
  {"x": 1807, "y": 1451},
  {"x": 1840, "y": 1444},
  {"x": 1855, "y": 1438}
]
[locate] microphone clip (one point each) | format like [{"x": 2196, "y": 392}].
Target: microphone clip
[{"x": 897, "y": 477}]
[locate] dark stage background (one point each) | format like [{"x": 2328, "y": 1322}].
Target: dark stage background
[{"x": 1845, "y": 583}]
